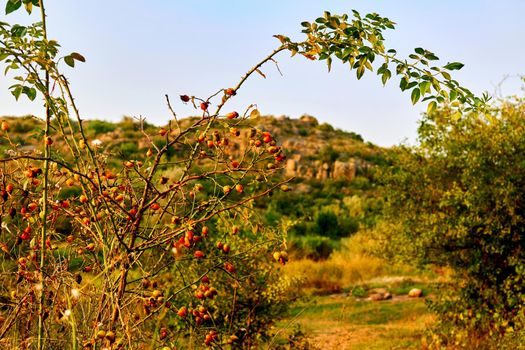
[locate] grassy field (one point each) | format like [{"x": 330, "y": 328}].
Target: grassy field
[
  {"x": 341, "y": 322},
  {"x": 333, "y": 312}
]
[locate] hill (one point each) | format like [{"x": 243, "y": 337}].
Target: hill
[{"x": 333, "y": 192}]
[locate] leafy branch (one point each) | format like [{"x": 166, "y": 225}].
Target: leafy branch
[{"x": 359, "y": 42}]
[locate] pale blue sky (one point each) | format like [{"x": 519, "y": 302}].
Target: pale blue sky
[{"x": 137, "y": 51}]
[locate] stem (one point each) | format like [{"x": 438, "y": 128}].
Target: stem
[{"x": 43, "y": 235}]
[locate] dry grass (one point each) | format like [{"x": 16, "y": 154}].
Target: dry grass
[{"x": 352, "y": 265}]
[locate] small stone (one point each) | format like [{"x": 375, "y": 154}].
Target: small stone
[{"x": 415, "y": 293}]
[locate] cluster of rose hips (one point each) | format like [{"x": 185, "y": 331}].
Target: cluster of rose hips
[
  {"x": 205, "y": 291},
  {"x": 200, "y": 314},
  {"x": 281, "y": 257},
  {"x": 210, "y": 337}
]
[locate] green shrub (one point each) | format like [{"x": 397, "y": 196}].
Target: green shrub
[
  {"x": 312, "y": 247},
  {"x": 128, "y": 149},
  {"x": 97, "y": 127}
]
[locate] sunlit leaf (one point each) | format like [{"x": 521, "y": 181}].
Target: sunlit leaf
[
  {"x": 255, "y": 113},
  {"x": 431, "y": 107}
]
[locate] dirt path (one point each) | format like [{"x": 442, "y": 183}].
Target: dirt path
[{"x": 343, "y": 323}]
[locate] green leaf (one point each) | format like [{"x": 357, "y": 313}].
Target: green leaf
[
  {"x": 424, "y": 87},
  {"x": 69, "y": 61},
  {"x": 386, "y": 75},
  {"x": 18, "y": 31},
  {"x": 16, "y": 90},
  {"x": 454, "y": 66},
  {"x": 30, "y": 93},
  {"x": 411, "y": 85},
  {"x": 403, "y": 83},
  {"x": 12, "y": 5},
  {"x": 419, "y": 50},
  {"x": 415, "y": 95},
  {"x": 360, "y": 71},
  {"x": 446, "y": 75}
]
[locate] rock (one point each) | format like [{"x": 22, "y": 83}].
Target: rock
[
  {"x": 323, "y": 171},
  {"x": 290, "y": 168},
  {"x": 376, "y": 297},
  {"x": 309, "y": 120},
  {"x": 379, "y": 290},
  {"x": 379, "y": 294},
  {"x": 344, "y": 170},
  {"x": 415, "y": 293}
]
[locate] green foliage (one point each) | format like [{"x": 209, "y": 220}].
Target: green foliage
[
  {"x": 459, "y": 196},
  {"x": 328, "y": 154},
  {"x": 326, "y": 224},
  {"x": 359, "y": 41},
  {"x": 128, "y": 149},
  {"x": 97, "y": 127},
  {"x": 312, "y": 247}
]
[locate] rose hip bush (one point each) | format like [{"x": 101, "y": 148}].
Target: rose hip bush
[
  {"x": 105, "y": 252},
  {"x": 161, "y": 249}
]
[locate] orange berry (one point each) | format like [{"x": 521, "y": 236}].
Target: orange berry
[
  {"x": 183, "y": 311},
  {"x": 229, "y": 267},
  {"x": 155, "y": 206},
  {"x": 232, "y": 115},
  {"x": 230, "y": 92}
]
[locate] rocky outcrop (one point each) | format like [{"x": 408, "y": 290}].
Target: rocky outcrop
[
  {"x": 318, "y": 170},
  {"x": 344, "y": 170}
]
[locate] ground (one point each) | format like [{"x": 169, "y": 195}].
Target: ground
[{"x": 346, "y": 323}]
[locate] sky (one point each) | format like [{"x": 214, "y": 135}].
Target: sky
[{"x": 138, "y": 51}]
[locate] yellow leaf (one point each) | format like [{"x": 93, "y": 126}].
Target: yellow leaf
[{"x": 255, "y": 113}]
